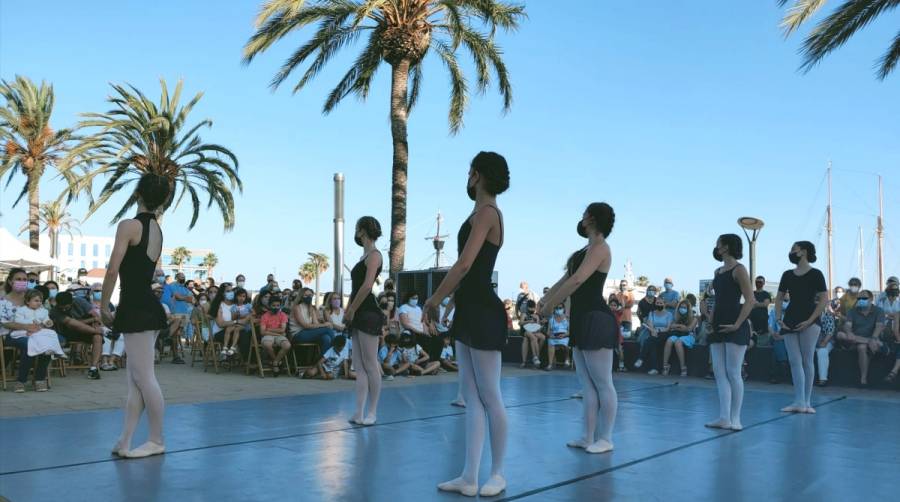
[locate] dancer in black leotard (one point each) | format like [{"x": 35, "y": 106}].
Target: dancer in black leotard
[
  {"x": 366, "y": 319},
  {"x": 479, "y": 324},
  {"x": 730, "y": 329},
  {"x": 140, "y": 316},
  {"x": 594, "y": 332}
]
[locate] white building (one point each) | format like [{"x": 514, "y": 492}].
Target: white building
[{"x": 79, "y": 251}]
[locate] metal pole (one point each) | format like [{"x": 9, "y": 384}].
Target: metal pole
[
  {"x": 830, "y": 230},
  {"x": 339, "y": 234},
  {"x": 879, "y": 231},
  {"x": 753, "y": 258}
]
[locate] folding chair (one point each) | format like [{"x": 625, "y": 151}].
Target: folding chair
[
  {"x": 3, "y": 349},
  {"x": 198, "y": 345},
  {"x": 255, "y": 352},
  {"x": 313, "y": 352},
  {"x": 60, "y": 368}
]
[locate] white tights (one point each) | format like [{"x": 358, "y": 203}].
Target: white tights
[
  {"x": 143, "y": 389},
  {"x": 368, "y": 375},
  {"x": 479, "y": 374},
  {"x": 801, "y": 348},
  {"x": 727, "y": 359},
  {"x": 594, "y": 368}
]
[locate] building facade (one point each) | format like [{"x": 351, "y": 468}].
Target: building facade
[{"x": 79, "y": 251}]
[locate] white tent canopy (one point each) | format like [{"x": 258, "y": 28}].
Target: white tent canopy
[{"x": 13, "y": 253}]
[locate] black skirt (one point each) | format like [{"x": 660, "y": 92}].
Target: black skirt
[
  {"x": 739, "y": 337},
  {"x": 369, "y": 322},
  {"x": 594, "y": 330}
]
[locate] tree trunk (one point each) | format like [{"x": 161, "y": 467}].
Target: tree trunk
[
  {"x": 54, "y": 243},
  {"x": 317, "y": 290},
  {"x": 399, "y": 87},
  {"x": 34, "y": 208}
]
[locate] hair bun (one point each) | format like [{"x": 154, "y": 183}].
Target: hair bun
[
  {"x": 604, "y": 217},
  {"x": 493, "y": 167}
]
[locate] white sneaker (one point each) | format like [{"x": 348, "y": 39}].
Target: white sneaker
[
  {"x": 536, "y": 362},
  {"x": 389, "y": 378},
  {"x": 638, "y": 363},
  {"x": 653, "y": 372}
]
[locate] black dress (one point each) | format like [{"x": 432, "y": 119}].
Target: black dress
[
  {"x": 138, "y": 309},
  {"x": 727, "y": 310},
  {"x": 592, "y": 324},
  {"x": 368, "y": 318},
  {"x": 480, "y": 317}
]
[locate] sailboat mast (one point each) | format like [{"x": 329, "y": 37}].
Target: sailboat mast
[
  {"x": 862, "y": 259},
  {"x": 879, "y": 232},
  {"x": 830, "y": 231}
]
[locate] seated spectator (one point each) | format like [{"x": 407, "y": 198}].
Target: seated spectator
[
  {"x": 261, "y": 303},
  {"x": 200, "y": 316},
  {"x": 531, "y": 338},
  {"x": 74, "y": 326},
  {"x": 52, "y": 291},
  {"x": 411, "y": 322},
  {"x": 420, "y": 362},
  {"x": 272, "y": 326},
  {"x": 33, "y": 280},
  {"x": 824, "y": 346},
  {"x": 14, "y": 289},
  {"x": 862, "y": 331},
  {"x": 759, "y": 316},
  {"x": 113, "y": 350},
  {"x": 558, "y": 337},
  {"x": 241, "y": 314},
  {"x": 171, "y": 334},
  {"x": 646, "y": 305},
  {"x": 848, "y": 300},
  {"x": 509, "y": 306},
  {"x": 44, "y": 341},
  {"x": 335, "y": 362},
  {"x": 626, "y": 300},
  {"x": 653, "y": 332},
  {"x": 889, "y": 303},
  {"x": 681, "y": 336},
  {"x": 670, "y": 296},
  {"x": 387, "y": 303},
  {"x": 221, "y": 317},
  {"x": 448, "y": 357},
  {"x": 390, "y": 356},
  {"x": 334, "y": 312},
  {"x": 309, "y": 327},
  {"x": 619, "y": 313}
]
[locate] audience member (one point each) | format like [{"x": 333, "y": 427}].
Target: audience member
[{"x": 862, "y": 331}]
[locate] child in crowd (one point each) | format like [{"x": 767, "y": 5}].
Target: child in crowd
[
  {"x": 533, "y": 340},
  {"x": 333, "y": 363},
  {"x": 619, "y": 313},
  {"x": 391, "y": 358},
  {"x": 240, "y": 312},
  {"x": 272, "y": 326},
  {"x": 448, "y": 358},
  {"x": 420, "y": 362},
  {"x": 43, "y": 341},
  {"x": 558, "y": 337}
]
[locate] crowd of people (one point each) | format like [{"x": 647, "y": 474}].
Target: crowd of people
[{"x": 41, "y": 321}]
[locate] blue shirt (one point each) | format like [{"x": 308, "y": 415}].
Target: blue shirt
[
  {"x": 177, "y": 306},
  {"x": 670, "y": 296},
  {"x": 559, "y": 326},
  {"x": 660, "y": 320}
]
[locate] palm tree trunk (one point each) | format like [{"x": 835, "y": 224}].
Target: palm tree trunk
[
  {"x": 34, "y": 203},
  {"x": 399, "y": 88},
  {"x": 317, "y": 289},
  {"x": 54, "y": 243}
]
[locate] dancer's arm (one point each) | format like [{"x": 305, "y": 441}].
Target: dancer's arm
[
  {"x": 743, "y": 278},
  {"x": 373, "y": 261},
  {"x": 482, "y": 223},
  {"x": 596, "y": 256},
  {"x": 127, "y": 233}
]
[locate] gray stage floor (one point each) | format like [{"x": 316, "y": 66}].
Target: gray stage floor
[{"x": 302, "y": 448}]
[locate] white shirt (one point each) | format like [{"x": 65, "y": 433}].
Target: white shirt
[
  {"x": 225, "y": 310},
  {"x": 447, "y": 353},
  {"x": 333, "y": 360},
  {"x": 441, "y": 327},
  {"x": 27, "y": 315},
  {"x": 413, "y": 315},
  {"x": 411, "y": 355}
]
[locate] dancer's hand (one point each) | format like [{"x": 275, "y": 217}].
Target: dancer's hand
[
  {"x": 107, "y": 317},
  {"x": 348, "y": 316},
  {"x": 803, "y": 325},
  {"x": 728, "y": 328},
  {"x": 431, "y": 311}
]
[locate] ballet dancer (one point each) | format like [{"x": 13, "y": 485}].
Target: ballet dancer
[
  {"x": 800, "y": 324},
  {"x": 365, "y": 318},
  {"x": 479, "y": 324},
  {"x": 594, "y": 332},
  {"x": 730, "y": 329},
  {"x": 140, "y": 316}
]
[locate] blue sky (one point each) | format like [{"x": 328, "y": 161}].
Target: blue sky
[{"x": 682, "y": 115}]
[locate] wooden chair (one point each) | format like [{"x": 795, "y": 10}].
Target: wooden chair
[
  {"x": 256, "y": 354},
  {"x": 3, "y": 349},
  {"x": 60, "y": 367},
  {"x": 198, "y": 345},
  {"x": 211, "y": 351},
  {"x": 84, "y": 352},
  {"x": 313, "y": 353}
]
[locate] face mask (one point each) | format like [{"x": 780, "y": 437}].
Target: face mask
[
  {"x": 97, "y": 295},
  {"x": 274, "y": 310},
  {"x": 651, "y": 294},
  {"x": 716, "y": 254},
  {"x": 32, "y": 284},
  {"x": 202, "y": 302},
  {"x": 854, "y": 289},
  {"x": 622, "y": 288},
  {"x": 559, "y": 311},
  {"x": 357, "y": 240},
  {"x": 668, "y": 286},
  {"x": 20, "y": 286},
  {"x": 660, "y": 307},
  {"x": 581, "y": 230},
  {"x": 53, "y": 293},
  {"x": 240, "y": 284},
  {"x": 307, "y": 300},
  {"x": 794, "y": 258},
  {"x": 470, "y": 191},
  {"x": 445, "y": 302},
  {"x": 838, "y": 294},
  {"x": 180, "y": 281},
  {"x": 759, "y": 285},
  {"x": 683, "y": 311},
  {"x": 413, "y": 302},
  {"x": 276, "y": 290},
  {"x": 161, "y": 279},
  {"x": 335, "y": 304},
  {"x": 862, "y": 303},
  {"x": 229, "y": 296},
  {"x": 784, "y": 305},
  {"x": 383, "y": 305},
  {"x": 893, "y": 293}
]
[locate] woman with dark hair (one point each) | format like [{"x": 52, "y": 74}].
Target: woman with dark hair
[
  {"x": 594, "y": 332},
  {"x": 14, "y": 288},
  {"x": 479, "y": 324},
  {"x": 366, "y": 320},
  {"x": 730, "y": 329},
  {"x": 800, "y": 324},
  {"x": 140, "y": 316}
]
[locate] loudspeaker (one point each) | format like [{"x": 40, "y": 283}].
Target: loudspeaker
[{"x": 424, "y": 283}]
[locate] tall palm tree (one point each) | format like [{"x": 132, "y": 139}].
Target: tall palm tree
[
  {"x": 55, "y": 219},
  {"x": 401, "y": 33},
  {"x": 210, "y": 261},
  {"x": 30, "y": 145},
  {"x": 307, "y": 272},
  {"x": 833, "y": 31},
  {"x": 320, "y": 265},
  {"x": 138, "y": 136},
  {"x": 180, "y": 256}
]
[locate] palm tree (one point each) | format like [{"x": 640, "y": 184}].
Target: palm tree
[
  {"x": 210, "y": 261},
  {"x": 642, "y": 281},
  {"x": 55, "y": 218},
  {"x": 834, "y": 31},
  {"x": 30, "y": 145},
  {"x": 400, "y": 33},
  {"x": 320, "y": 265},
  {"x": 180, "y": 256},
  {"x": 307, "y": 272},
  {"x": 138, "y": 136}
]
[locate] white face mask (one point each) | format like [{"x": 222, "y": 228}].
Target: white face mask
[
  {"x": 854, "y": 289},
  {"x": 413, "y": 302}
]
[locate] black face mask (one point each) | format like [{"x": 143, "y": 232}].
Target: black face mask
[
  {"x": 660, "y": 307},
  {"x": 307, "y": 300},
  {"x": 760, "y": 284},
  {"x": 893, "y": 293},
  {"x": 716, "y": 254},
  {"x": 470, "y": 190},
  {"x": 794, "y": 258},
  {"x": 357, "y": 240},
  {"x": 582, "y": 231},
  {"x": 383, "y": 305}
]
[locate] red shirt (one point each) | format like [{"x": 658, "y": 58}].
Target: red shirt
[{"x": 270, "y": 321}]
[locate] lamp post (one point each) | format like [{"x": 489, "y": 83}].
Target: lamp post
[
  {"x": 754, "y": 225},
  {"x": 338, "y": 235}
]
